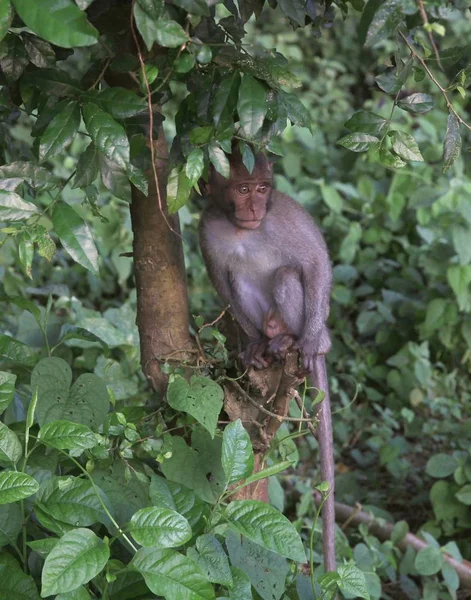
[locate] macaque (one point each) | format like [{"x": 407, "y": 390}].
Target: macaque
[{"x": 268, "y": 260}]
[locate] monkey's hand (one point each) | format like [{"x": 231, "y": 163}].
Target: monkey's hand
[
  {"x": 254, "y": 355},
  {"x": 309, "y": 349},
  {"x": 280, "y": 344}
]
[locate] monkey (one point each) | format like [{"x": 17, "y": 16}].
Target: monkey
[{"x": 268, "y": 260}]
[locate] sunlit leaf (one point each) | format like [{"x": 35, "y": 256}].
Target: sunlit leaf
[{"x": 452, "y": 142}]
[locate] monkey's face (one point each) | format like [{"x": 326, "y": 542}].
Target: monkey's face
[{"x": 247, "y": 202}]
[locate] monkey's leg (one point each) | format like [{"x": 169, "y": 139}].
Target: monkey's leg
[
  {"x": 326, "y": 451},
  {"x": 288, "y": 294}
]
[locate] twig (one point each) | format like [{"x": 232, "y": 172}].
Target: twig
[
  {"x": 299, "y": 402},
  {"x": 269, "y": 412},
  {"x": 102, "y": 72},
  {"x": 430, "y": 34},
  {"x": 151, "y": 120},
  {"x": 432, "y": 77},
  {"x": 218, "y": 318}
]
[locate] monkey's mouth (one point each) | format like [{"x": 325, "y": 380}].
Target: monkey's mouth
[{"x": 246, "y": 224}]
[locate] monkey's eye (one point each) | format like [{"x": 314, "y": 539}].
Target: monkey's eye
[
  {"x": 263, "y": 187},
  {"x": 243, "y": 189}
]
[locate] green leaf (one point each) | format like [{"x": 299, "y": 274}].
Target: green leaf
[
  {"x": 224, "y": 101},
  {"x": 16, "y": 351},
  {"x": 65, "y": 435},
  {"x": 452, "y": 142},
  {"x": 87, "y": 167},
  {"x": 459, "y": 278},
  {"x": 169, "y": 33},
  {"x": 80, "y": 593},
  {"x": 121, "y": 103},
  {"x": 172, "y": 575},
  {"x": 366, "y": 122},
  {"x": 194, "y": 7},
  {"x": 11, "y": 521},
  {"x": 405, "y": 146},
  {"x": 417, "y": 103},
  {"x": 16, "y": 486},
  {"x": 16, "y": 584},
  {"x": 332, "y": 198},
  {"x": 441, "y": 465},
  {"x": 247, "y": 156},
  {"x": 352, "y": 581},
  {"x": 251, "y": 105},
  {"x": 53, "y": 82},
  {"x": 178, "y": 189},
  {"x": 60, "y": 131},
  {"x": 10, "y": 447},
  {"x": 46, "y": 245},
  {"x": 237, "y": 454},
  {"x": 108, "y": 135},
  {"x": 219, "y": 160},
  {"x": 75, "y": 236},
  {"x": 60, "y": 22},
  {"x": 294, "y": 9},
  {"x": 358, "y": 142},
  {"x": 428, "y": 561},
  {"x": 184, "y": 63},
  {"x": 7, "y": 389},
  {"x": 77, "y": 558},
  {"x": 264, "y": 525},
  {"x": 390, "y": 81},
  {"x": 201, "y": 397},
  {"x": 13, "y": 174},
  {"x": 385, "y": 22},
  {"x": 461, "y": 236},
  {"x": 399, "y": 532},
  {"x": 6, "y": 17},
  {"x": 26, "y": 252},
  {"x": 40, "y": 52},
  {"x": 390, "y": 160},
  {"x": 213, "y": 560},
  {"x": 44, "y": 546},
  {"x": 146, "y": 14},
  {"x": 160, "y": 527},
  {"x": 201, "y": 135},
  {"x": 14, "y": 208},
  {"x": 194, "y": 165},
  {"x": 86, "y": 402},
  {"x": 114, "y": 177},
  {"x": 269, "y": 471},
  {"x": 297, "y": 112},
  {"x": 464, "y": 494}
]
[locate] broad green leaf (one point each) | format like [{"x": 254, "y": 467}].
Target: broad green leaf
[
  {"x": 178, "y": 497},
  {"x": 16, "y": 351},
  {"x": 405, "y": 146},
  {"x": 194, "y": 7},
  {"x": 390, "y": 81},
  {"x": 60, "y": 131},
  {"x": 16, "y": 486},
  {"x": 11, "y": 449},
  {"x": 464, "y": 494},
  {"x": 429, "y": 561},
  {"x": 352, "y": 581},
  {"x": 75, "y": 236},
  {"x": 247, "y": 156},
  {"x": 108, "y": 135},
  {"x": 58, "y": 21},
  {"x": 53, "y": 82},
  {"x": 224, "y": 101},
  {"x": 72, "y": 332},
  {"x": 45, "y": 244},
  {"x": 80, "y": 593},
  {"x": 213, "y": 560},
  {"x": 6, "y": 17},
  {"x": 14, "y": 208},
  {"x": 201, "y": 135},
  {"x": 160, "y": 527},
  {"x": 251, "y": 105},
  {"x": 169, "y": 33},
  {"x": 399, "y": 531},
  {"x": 86, "y": 402},
  {"x": 194, "y": 165},
  {"x": 28, "y": 305},
  {"x": 441, "y": 466},
  {"x": 332, "y": 198},
  {"x": 13, "y": 174},
  {"x": 241, "y": 587},
  {"x": 178, "y": 189},
  {"x": 358, "y": 142},
  {"x": 265, "y": 526},
  {"x": 204, "y": 55},
  {"x": 172, "y": 575},
  {"x": 71, "y": 501},
  {"x": 17, "y": 585},
  {"x": 7, "y": 389},
  {"x": 461, "y": 236},
  {"x": 459, "y": 278},
  {"x": 294, "y": 9},
  {"x": 114, "y": 177},
  {"x": 184, "y": 63},
  {"x": 269, "y": 471},
  {"x": 237, "y": 454},
  {"x": 452, "y": 142},
  {"x": 11, "y": 521},
  {"x": 43, "y": 547},
  {"x": 65, "y": 435},
  {"x": 146, "y": 15},
  {"x": 417, "y": 103},
  {"x": 366, "y": 122},
  {"x": 201, "y": 397},
  {"x": 385, "y": 21},
  {"x": 219, "y": 160},
  {"x": 77, "y": 558},
  {"x": 390, "y": 160},
  {"x": 121, "y": 103},
  {"x": 138, "y": 178},
  {"x": 39, "y": 51},
  {"x": 87, "y": 167}
]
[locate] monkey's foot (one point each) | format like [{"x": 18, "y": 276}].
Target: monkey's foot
[
  {"x": 254, "y": 355},
  {"x": 280, "y": 344}
]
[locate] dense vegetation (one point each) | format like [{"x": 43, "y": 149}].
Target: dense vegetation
[{"x": 105, "y": 491}]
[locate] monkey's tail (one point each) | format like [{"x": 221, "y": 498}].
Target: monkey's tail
[{"x": 326, "y": 451}]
